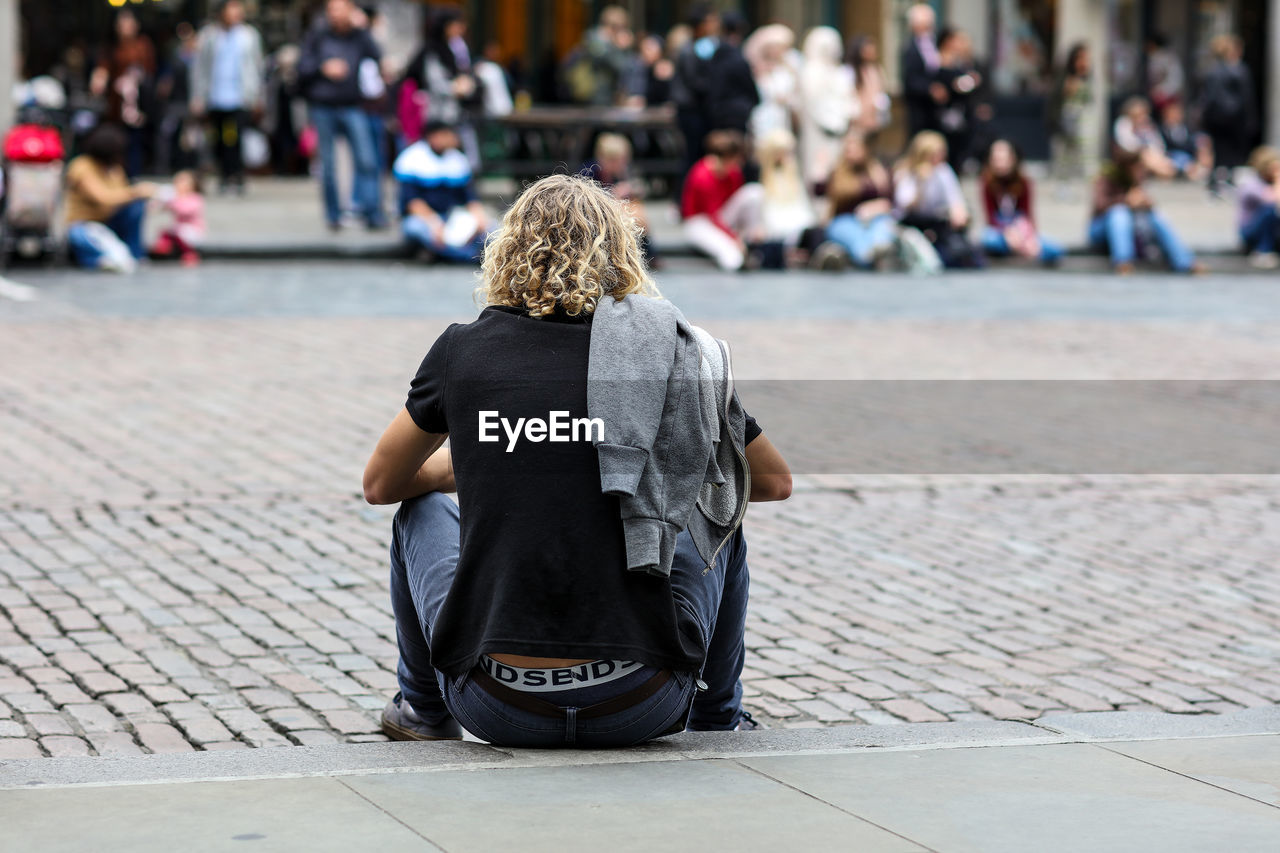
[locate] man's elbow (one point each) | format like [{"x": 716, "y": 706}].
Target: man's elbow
[
  {"x": 771, "y": 487},
  {"x": 375, "y": 492}
]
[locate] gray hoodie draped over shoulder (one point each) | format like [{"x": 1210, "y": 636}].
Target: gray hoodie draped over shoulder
[{"x": 672, "y": 444}]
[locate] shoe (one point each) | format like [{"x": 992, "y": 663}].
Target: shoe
[
  {"x": 376, "y": 225},
  {"x": 1124, "y": 268},
  {"x": 190, "y": 259},
  {"x": 748, "y": 723},
  {"x": 334, "y": 227},
  {"x": 829, "y": 257},
  {"x": 163, "y": 246},
  {"x": 401, "y": 722},
  {"x": 1264, "y": 260}
]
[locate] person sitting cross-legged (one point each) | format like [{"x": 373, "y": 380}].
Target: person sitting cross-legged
[
  {"x": 442, "y": 214},
  {"x": 589, "y": 587},
  {"x": 1125, "y": 220},
  {"x": 722, "y": 213},
  {"x": 1259, "y": 222}
]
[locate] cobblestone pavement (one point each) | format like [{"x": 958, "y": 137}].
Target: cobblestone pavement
[{"x": 186, "y": 563}]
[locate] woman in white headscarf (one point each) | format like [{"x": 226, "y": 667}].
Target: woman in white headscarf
[
  {"x": 770, "y": 52},
  {"x": 828, "y": 103}
]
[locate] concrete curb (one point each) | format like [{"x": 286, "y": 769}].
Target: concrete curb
[
  {"x": 374, "y": 758},
  {"x": 1078, "y": 259}
]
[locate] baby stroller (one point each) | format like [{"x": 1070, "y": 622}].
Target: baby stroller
[{"x": 32, "y": 187}]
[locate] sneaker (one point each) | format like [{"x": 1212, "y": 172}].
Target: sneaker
[
  {"x": 401, "y": 722},
  {"x": 748, "y": 723},
  {"x": 830, "y": 256},
  {"x": 1264, "y": 260}
]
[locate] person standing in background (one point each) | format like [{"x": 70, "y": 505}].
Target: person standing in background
[
  {"x": 863, "y": 57},
  {"x": 126, "y": 76},
  {"x": 1228, "y": 109},
  {"x": 769, "y": 52},
  {"x": 733, "y": 93},
  {"x": 226, "y": 86},
  {"x": 955, "y": 114},
  {"x": 827, "y": 105},
  {"x": 328, "y": 72},
  {"x": 921, "y": 91},
  {"x": 689, "y": 85},
  {"x": 1068, "y": 105},
  {"x": 1165, "y": 77},
  {"x": 442, "y": 69}
]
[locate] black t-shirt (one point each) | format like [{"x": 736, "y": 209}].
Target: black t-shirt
[{"x": 542, "y": 564}]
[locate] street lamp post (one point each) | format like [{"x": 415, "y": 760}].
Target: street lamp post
[{"x": 9, "y": 42}]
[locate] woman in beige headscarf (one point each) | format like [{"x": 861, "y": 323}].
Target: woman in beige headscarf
[
  {"x": 827, "y": 104},
  {"x": 770, "y": 51}
]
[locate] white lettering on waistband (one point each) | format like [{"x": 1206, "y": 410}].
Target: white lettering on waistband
[
  {"x": 547, "y": 680},
  {"x": 556, "y": 427}
]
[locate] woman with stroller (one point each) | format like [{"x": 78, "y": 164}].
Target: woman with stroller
[{"x": 104, "y": 212}]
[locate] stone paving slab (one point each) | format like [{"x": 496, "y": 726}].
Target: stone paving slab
[
  {"x": 185, "y": 561},
  {"x": 976, "y": 792}
]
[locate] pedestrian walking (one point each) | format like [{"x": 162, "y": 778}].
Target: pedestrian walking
[
  {"x": 329, "y": 72},
  {"x": 584, "y": 591},
  {"x": 227, "y": 87}
]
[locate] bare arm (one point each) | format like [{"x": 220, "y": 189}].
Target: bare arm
[
  {"x": 770, "y": 476},
  {"x": 405, "y": 463}
]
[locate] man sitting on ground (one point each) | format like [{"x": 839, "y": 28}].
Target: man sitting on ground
[
  {"x": 438, "y": 203},
  {"x": 722, "y": 213}
]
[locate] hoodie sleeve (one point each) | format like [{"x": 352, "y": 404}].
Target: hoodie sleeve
[{"x": 626, "y": 385}]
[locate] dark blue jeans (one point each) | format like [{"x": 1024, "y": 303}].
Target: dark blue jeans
[
  {"x": 424, "y": 557},
  {"x": 353, "y": 123},
  {"x": 1260, "y": 232}
]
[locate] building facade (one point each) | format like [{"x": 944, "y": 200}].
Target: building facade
[{"x": 1021, "y": 42}]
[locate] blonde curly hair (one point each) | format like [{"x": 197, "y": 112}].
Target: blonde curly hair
[{"x": 566, "y": 241}]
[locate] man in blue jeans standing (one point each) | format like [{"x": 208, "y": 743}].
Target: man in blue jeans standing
[{"x": 329, "y": 70}]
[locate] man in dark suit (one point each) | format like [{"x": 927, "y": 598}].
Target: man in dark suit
[{"x": 921, "y": 89}]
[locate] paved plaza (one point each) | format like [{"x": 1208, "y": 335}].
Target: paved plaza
[{"x": 186, "y": 562}]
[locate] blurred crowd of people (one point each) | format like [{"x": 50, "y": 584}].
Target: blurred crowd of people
[{"x": 783, "y": 138}]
